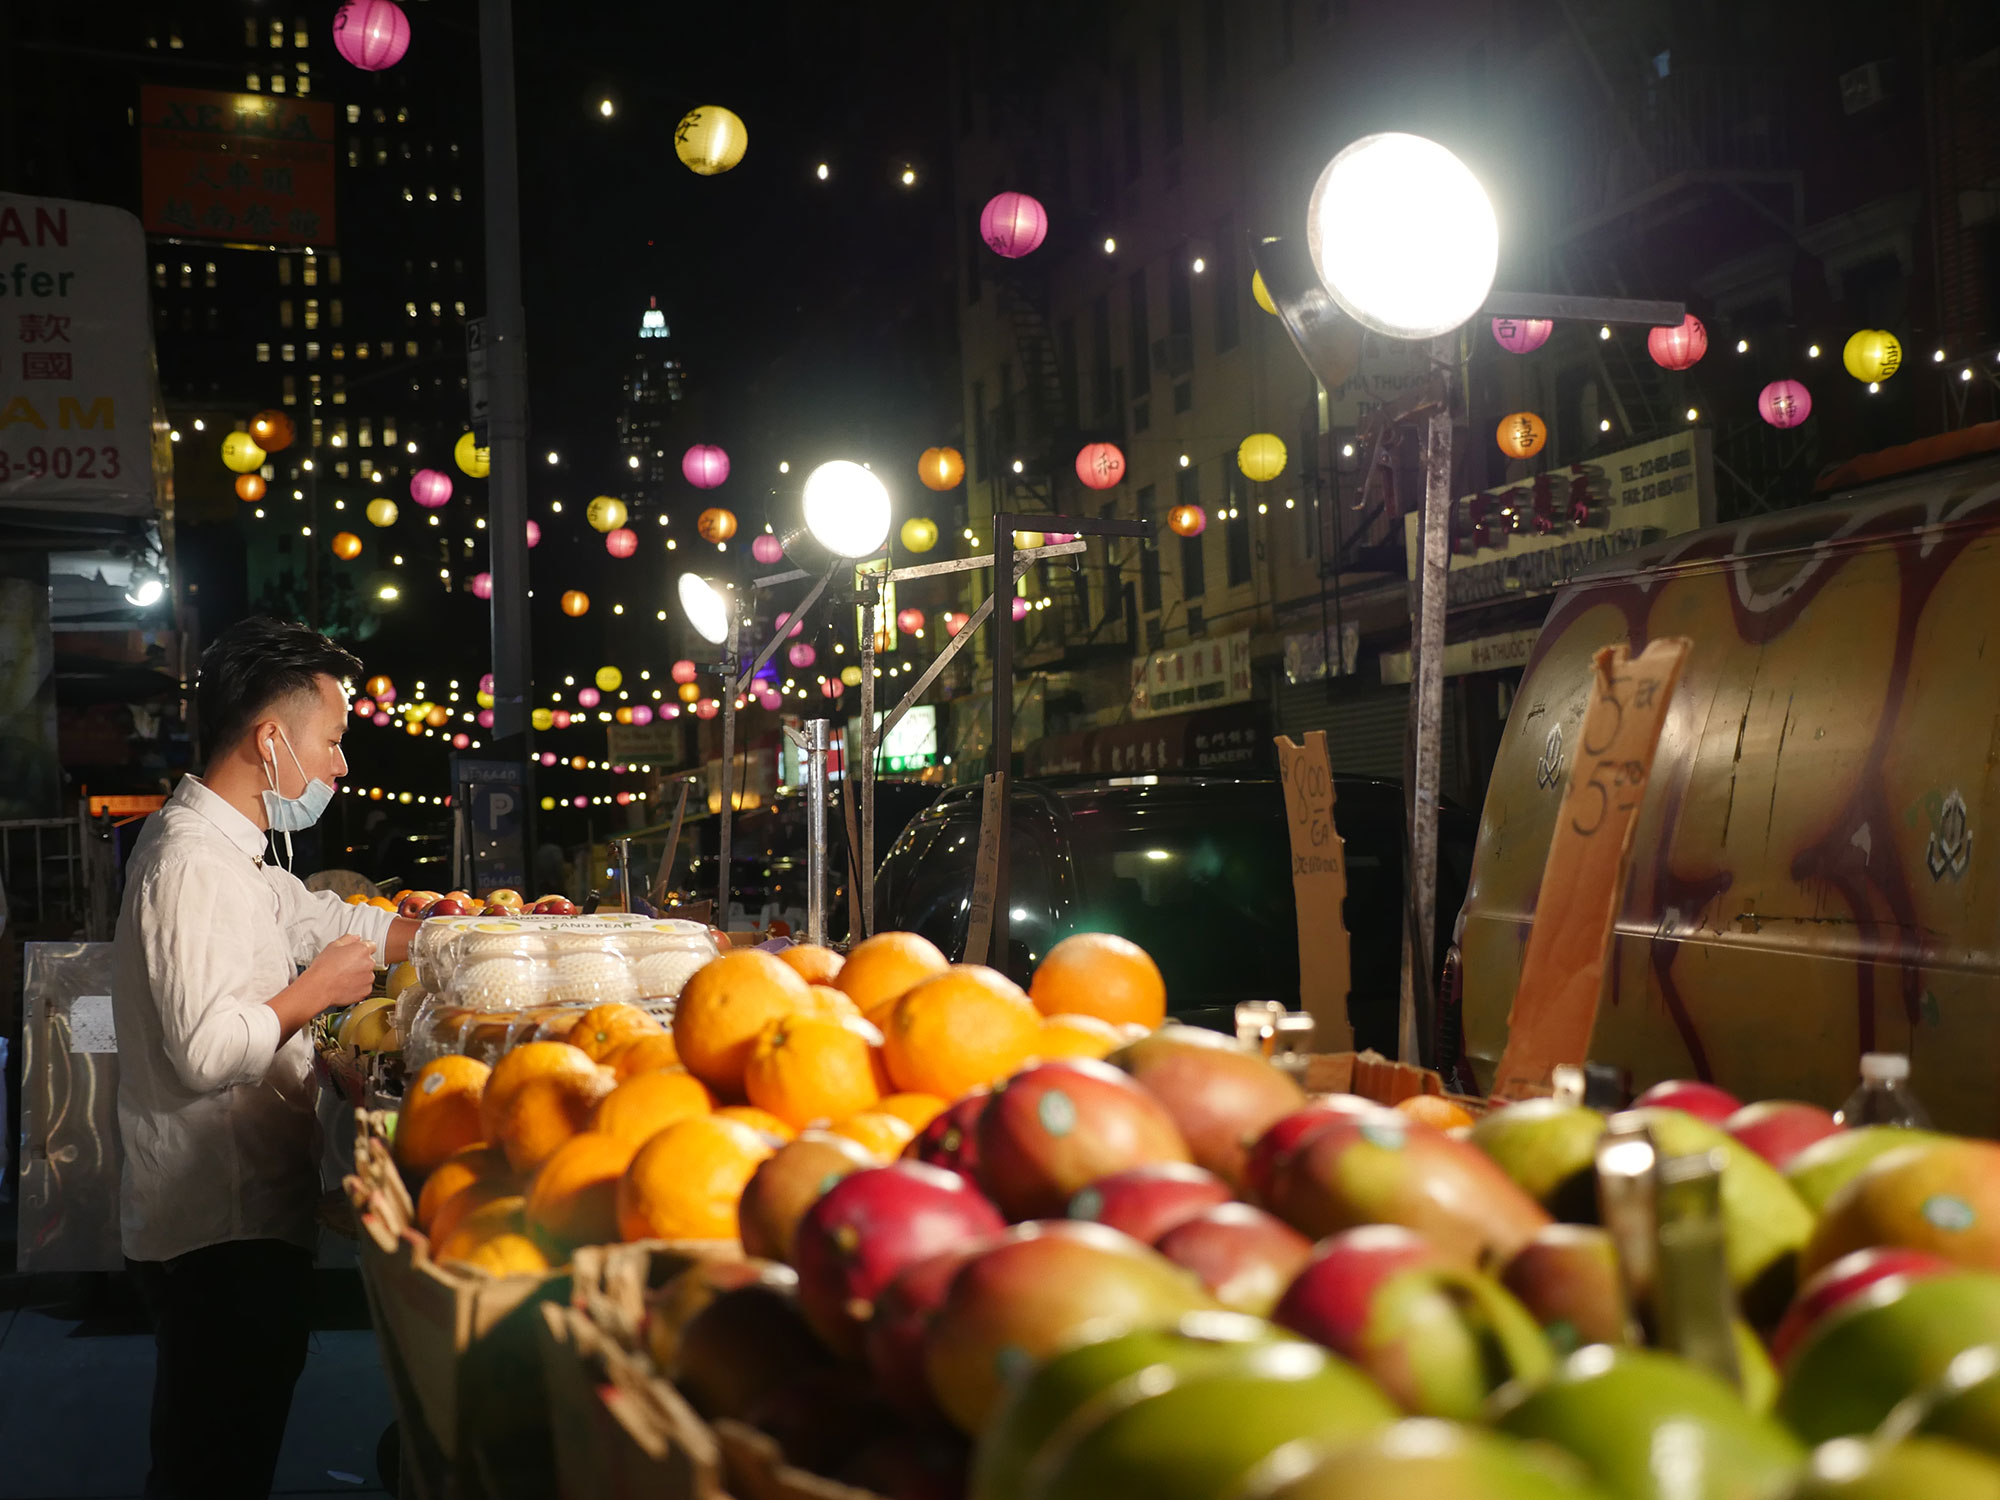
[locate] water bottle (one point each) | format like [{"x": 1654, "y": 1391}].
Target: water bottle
[{"x": 1884, "y": 1097}]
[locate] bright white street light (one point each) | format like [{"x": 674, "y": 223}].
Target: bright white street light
[
  {"x": 1403, "y": 236},
  {"x": 846, "y": 509},
  {"x": 146, "y": 592},
  {"x": 705, "y": 606}
]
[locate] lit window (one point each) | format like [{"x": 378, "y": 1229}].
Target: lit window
[
  {"x": 284, "y": 270},
  {"x": 432, "y": 194},
  {"x": 409, "y": 348},
  {"x": 187, "y": 275},
  {"x": 300, "y": 35},
  {"x": 456, "y": 195},
  {"x": 285, "y": 314},
  {"x": 277, "y": 83},
  {"x": 334, "y": 310},
  {"x": 312, "y": 349},
  {"x": 340, "y": 351},
  {"x": 277, "y": 33},
  {"x": 249, "y": 31},
  {"x": 303, "y": 84},
  {"x": 312, "y": 269},
  {"x": 208, "y": 274},
  {"x": 291, "y": 389},
  {"x": 312, "y": 312},
  {"x": 381, "y": 153},
  {"x": 365, "y": 434},
  {"x": 410, "y": 308},
  {"x": 388, "y": 348},
  {"x": 459, "y": 308},
  {"x": 353, "y": 152},
  {"x": 409, "y": 196},
  {"x": 253, "y": 83},
  {"x": 333, "y": 269},
  {"x": 340, "y": 390},
  {"x": 388, "y": 432},
  {"x": 159, "y": 273},
  {"x": 354, "y": 114},
  {"x": 263, "y": 354},
  {"x": 436, "y": 309},
  {"x": 361, "y": 350}
]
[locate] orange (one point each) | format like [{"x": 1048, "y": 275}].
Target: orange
[
  {"x": 644, "y": 1106},
  {"x": 685, "y": 1182},
  {"x": 574, "y": 1197},
  {"x": 1435, "y": 1110},
  {"x": 642, "y": 1052},
  {"x": 916, "y": 1110},
  {"x": 957, "y": 1030},
  {"x": 830, "y": 1003},
  {"x": 884, "y": 968},
  {"x": 542, "y": 1093},
  {"x": 459, "y": 1170},
  {"x": 813, "y": 964},
  {"x": 441, "y": 1112},
  {"x": 604, "y": 1028},
  {"x": 758, "y": 1119},
  {"x": 461, "y": 1205},
  {"x": 1100, "y": 974},
  {"x": 1077, "y": 1036},
  {"x": 879, "y": 1131},
  {"x": 727, "y": 1002},
  {"x": 507, "y": 1255},
  {"x": 804, "y": 1069},
  {"x": 500, "y": 1215}
]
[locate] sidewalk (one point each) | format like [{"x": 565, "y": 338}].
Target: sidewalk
[{"x": 76, "y": 1376}]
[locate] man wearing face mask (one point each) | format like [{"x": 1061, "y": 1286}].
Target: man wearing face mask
[{"x": 222, "y": 958}]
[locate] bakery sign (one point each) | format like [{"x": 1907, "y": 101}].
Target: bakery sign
[{"x": 1200, "y": 674}]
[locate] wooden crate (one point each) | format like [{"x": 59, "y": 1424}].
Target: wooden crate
[{"x": 1373, "y": 1076}]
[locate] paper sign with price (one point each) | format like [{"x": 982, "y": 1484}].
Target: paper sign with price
[
  {"x": 1583, "y": 883},
  {"x": 1319, "y": 885}
]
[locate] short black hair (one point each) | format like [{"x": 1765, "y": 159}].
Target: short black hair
[{"x": 253, "y": 664}]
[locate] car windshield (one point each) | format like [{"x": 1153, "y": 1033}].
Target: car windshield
[{"x": 1209, "y": 896}]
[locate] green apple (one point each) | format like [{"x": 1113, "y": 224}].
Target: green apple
[
  {"x": 1916, "y": 1469},
  {"x": 1757, "y": 1376},
  {"x": 1892, "y": 1341},
  {"x": 1825, "y": 1167},
  {"x": 1550, "y": 1150},
  {"x": 1963, "y": 1405},
  {"x": 1941, "y": 1196},
  {"x": 1651, "y": 1426},
  {"x": 1426, "y": 1459}
]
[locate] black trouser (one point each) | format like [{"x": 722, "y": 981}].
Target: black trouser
[{"x": 230, "y": 1322}]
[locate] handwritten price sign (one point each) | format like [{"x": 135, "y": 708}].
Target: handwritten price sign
[
  {"x": 1319, "y": 885},
  {"x": 1583, "y": 883}
]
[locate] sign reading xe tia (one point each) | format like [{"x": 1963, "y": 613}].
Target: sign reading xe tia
[{"x": 249, "y": 169}]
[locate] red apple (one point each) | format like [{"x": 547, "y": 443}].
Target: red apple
[
  {"x": 1567, "y": 1277},
  {"x": 1060, "y": 1126},
  {"x": 1220, "y": 1096},
  {"x": 1840, "y": 1283},
  {"x": 1691, "y": 1096},
  {"x": 1261, "y": 1166},
  {"x": 504, "y": 897},
  {"x": 1244, "y": 1256},
  {"x": 493, "y": 910},
  {"x": 870, "y": 1225},
  {"x": 417, "y": 903},
  {"x": 1147, "y": 1201},
  {"x": 951, "y": 1140},
  {"x": 555, "y": 906},
  {"x": 894, "y": 1338},
  {"x": 451, "y": 906},
  {"x": 788, "y": 1183},
  {"x": 1779, "y": 1129}
]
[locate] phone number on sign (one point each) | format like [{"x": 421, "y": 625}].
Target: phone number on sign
[{"x": 60, "y": 463}]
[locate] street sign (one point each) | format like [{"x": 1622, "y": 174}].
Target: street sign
[
  {"x": 478, "y": 390},
  {"x": 495, "y": 798}
]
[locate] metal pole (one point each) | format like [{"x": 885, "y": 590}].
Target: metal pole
[
  {"x": 817, "y": 740},
  {"x": 507, "y": 485},
  {"x": 861, "y": 769},
  {"x": 1000, "y": 755},
  {"x": 728, "y": 805}
]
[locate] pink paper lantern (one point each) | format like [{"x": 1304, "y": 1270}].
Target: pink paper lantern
[
  {"x": 430, "y": 488},
  {"x": 1100, "y": 465},
  {"x": 801, "y": 655},
  {"x": 909, "y": 621},
  {"x": 953, "y": 623},
  {"x": 579, "y": 801},
  {"x": 547, "y": 757},
  {"x": 831, "y": 687},
  {"x": 705, "y": 466},
  {"x": 387, "y": 695},
  {"x": 482, "y": 585},
  {"x": 363, "y": 708},
  {"x": 1784, "y": 403},
  {"x": 589, "y": 697},
  {"x": 371, "y": 34},
  {"x": 1058, "y": 538},
  {"x": 1020, "y": 608},
  {"x": 486, "y": 683},
  {"x": 683, "y": 671},
  {"x": 670, "y": 710},
  {"x": 1679, "y": 347},
  {"x": 624, "y": 798},
  {"x": 379, "y": 719},
  {"x": 534, "y": 534},
  {"x": 560, "y": 718},
  {"x": 767, "y": 697},
  {"x": 619, "y": 769},
  {"x": 708, "y": 708},
  {"x": 485, "y": 718},
  {"x": 621, "y": 543},
  {"x": 767, "y": 548},
  {"x": 1522, "y": 335},
  {"x": 642, "y": 713},
  {"x": 1013, "y": 224},
  {"x": 460, "y": 740}
]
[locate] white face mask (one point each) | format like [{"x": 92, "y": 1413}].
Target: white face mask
[{"x": 289, "y": 815}]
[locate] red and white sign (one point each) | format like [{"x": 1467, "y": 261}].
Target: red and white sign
[{"x": 1200, "y": 674}]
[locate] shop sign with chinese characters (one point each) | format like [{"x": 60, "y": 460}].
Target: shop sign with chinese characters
[
  {"x": 79, "y": 426},
  {"x": 248, "y": 169},
  {"x": 1200, "y": 674}
]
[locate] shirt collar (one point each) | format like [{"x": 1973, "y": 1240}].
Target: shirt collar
[{"x": 239, "y": 830}]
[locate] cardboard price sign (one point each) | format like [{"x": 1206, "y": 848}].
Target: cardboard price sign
[
  {"x": 1583, "y": 883},
  {"x": 1319, "y": 885}
]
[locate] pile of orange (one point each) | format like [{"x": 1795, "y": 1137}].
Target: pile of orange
[{"x": 628, "y": 1130}]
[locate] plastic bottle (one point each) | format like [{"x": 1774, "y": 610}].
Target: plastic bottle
[{"x": 1884, "y": 1097}]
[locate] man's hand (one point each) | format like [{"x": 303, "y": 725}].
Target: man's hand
[{"x": 343, "y": 973}]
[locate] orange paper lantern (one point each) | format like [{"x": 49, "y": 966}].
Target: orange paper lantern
[
  {"x": 273, "y": 430},
  {"x": 250, "y": 486},
  {"x": 690, "y": 691},
  {"x": 1521, "y": 434},
  {"x": 716, "y": 524},
  {"x": 346, "y": 546},
  {"x": 1187, "y": 520},
  {"x": 941, "y": 468},
  {"x": 575, "y": 603}
]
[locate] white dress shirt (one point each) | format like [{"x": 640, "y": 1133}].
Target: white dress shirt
[{"x": 216, "y": 1117}]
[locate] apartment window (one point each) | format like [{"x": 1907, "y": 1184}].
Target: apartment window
[
  {"x": 982, "y": 453},
  {"x": 1142, "y": 414},
  {"x": 187, "y": 320},
  {"x": 312, "y": 350},
  {"x": 389, "y": 349},
  {"x": 285, "y": 314},
  {"x": 1194, "y": 577},
  {"x": 187, "y": 275},
  {"x": 301, "y": 34},
  {"x": 340, "y": 434},
  {"x": 1170, "y": 85},
  {"x": 284, "y": 270},
  {"x": 277, "y": 83},
  {"x": 1236, "y": 530},
  {"x": 333, "y": 309},
  {"x": 249, "y": 31},
  {"x": 311, "y": 269},
  {"x": 436, "y": 308},
  {"x": 1228, "y": 297},
  {"x": 365, "y": 433},
  {"x": 333, "y": 270},
  {"x": 209, "y": 319},
  {"x": 340, "y": 351},
  {"x": 458, "y": 308},
  {"x": 312, "y": 312},
  {"x": 361, "y": 349},
  {"x": 208, "y": 273},
  {"x": 340, "y": 469},
  {"x": 1180, "y": 305},
  {"x": 1183, "y": 396},
  {"x": 1149, "y": 554},
  {"x": 354, "y": 114},
  {"x": 318, "y": 432},
  {"x": 457, "y": 195},
  {"x": 1128, "y": 108},
  {"x": 253, "y": 82},
  {"x": 263, "y": 354},
  {"x": 302, "y": 84},
  {"x": 340, "y": 390},
  {"x": 381, "y": 153},
  {"x": 160, "y": 274},
  {"x": 291, "y": 390},
  {"x": 388, "y": 432},
  {"x": 277, "y": 33},
  {"x": 288, "y": 352},
  {"x": 410, "y": 308},
  {"x": 1100, "y": 354},
  {"x": 1139, "y": 338},
  {"x": 1215, "y": 52},
  {"x": 409, "y": 348}
]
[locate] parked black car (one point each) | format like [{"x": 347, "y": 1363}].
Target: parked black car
[{"x": 1195, "y": 870}]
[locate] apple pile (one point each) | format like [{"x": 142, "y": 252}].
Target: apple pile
[
  {"x": 496, "y": 903},
  {"x": 1173, "y": 1275}
]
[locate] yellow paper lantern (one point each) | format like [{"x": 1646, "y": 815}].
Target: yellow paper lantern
[
  {"x": 710, "y": 139},
  {"x": 690, "y": 691},
  {"x": 1261, "y": 294},
  {"x": 483, "y": 698},
  {"x": 919, "y": 534},
  {"x": 605, "y": 514},
  {"x": 1261, "y": 456},
  {"x": 382, "y": 512},
  {"x": 1521, "y": 434},
  {"x": 241, "y": 453},
  {"x": 541, "y": 718},
  {"x": 851, "y": 676},
  {"x": 610, "y": 679},
  {"x": 346, "y": 546},
  {"x": 474, "y": 461},
  {"x": 716, "y": 524},
  {"x": 1027, "y": 539},
  {"x": 941, "y": 468},
  {"x": 413, "y": 726},
  {"x": 548, "y": 804},
  {"x": 576, "y": 603},
  {"x": 1872, "y": 355}
]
